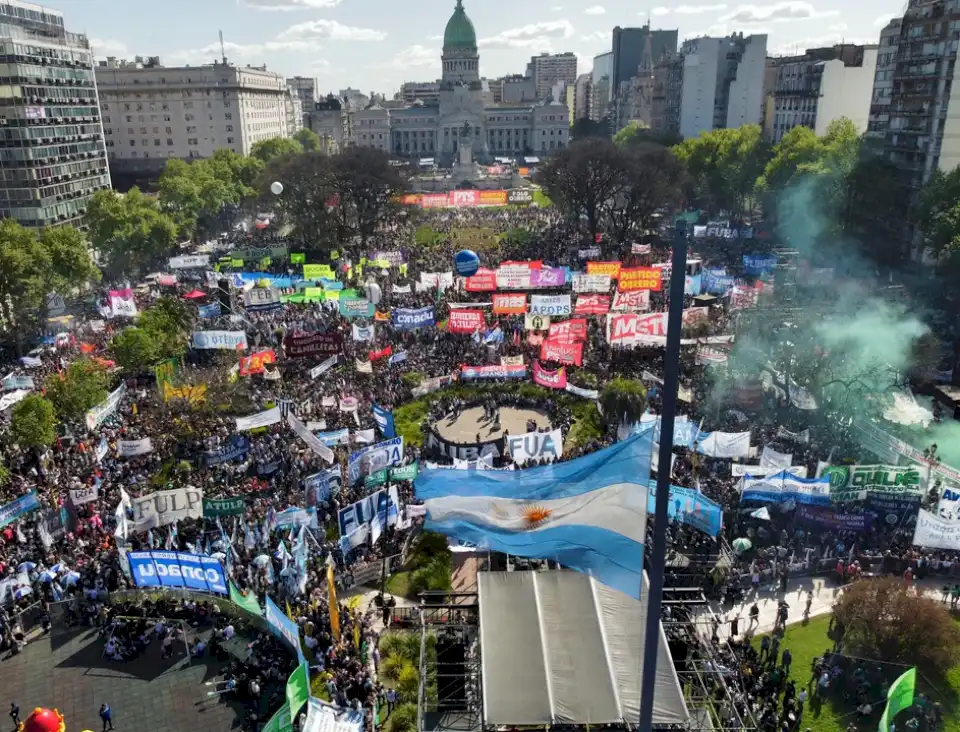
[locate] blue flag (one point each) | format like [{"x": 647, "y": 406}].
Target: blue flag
[
  {"x": 384, "y": 419},
  {"x": 588, "y": 514}
]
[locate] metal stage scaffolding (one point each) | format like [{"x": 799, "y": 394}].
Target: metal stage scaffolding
[{"x": 451, "y": 620}]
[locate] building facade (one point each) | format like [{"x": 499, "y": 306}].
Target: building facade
[
  {"x": 581, "y": 96},
  {"x": 326, "y": 119},
  {"x": 601, "y": 86},
  {"x": 722, "y": 83},
  {"x": 635, "y": 96},
  {"x": 53, "y": 157},
  {"x": 547, "y": 70},
  {"x": 465, "y": 113},
  {"x": 629, "y": 46},
  {"x": 821, "y": 86},
  {"x": 152, "y": 113},
  {"x": 304, "y": 88}
]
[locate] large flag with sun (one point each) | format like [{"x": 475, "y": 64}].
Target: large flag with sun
[{"x": 588, "y": 514}]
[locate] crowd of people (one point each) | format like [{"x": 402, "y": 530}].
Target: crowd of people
[{"x": 75, "y": 554}]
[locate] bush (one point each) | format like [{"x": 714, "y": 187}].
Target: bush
[
  {"x": 403, "y": 719},
  {"x": 412, "y": 379},
  {"x": 436, "y": 576},
  {"x": 885, "y": 620}
]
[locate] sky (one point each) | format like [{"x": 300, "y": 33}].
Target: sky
[{"x": 376, "y": 45}]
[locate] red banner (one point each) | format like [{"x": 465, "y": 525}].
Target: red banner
[
  {"x": 493, "y": 198},
  {"x": 466, "y": 198},
  {"x": 384, "y": 352},
  {"x": 535, "y": 264},
  {"x": 510, "y": 303},
  {"x": 254, "y": 363},
  {"x": 635, "y": 301},
  {"x": 485, "y": 280},
  {"x": 604, "y": 268},
  {"x": 550, "y": 379},
  {"x": 434, "y": 200},
  {"x": 628, "y": 328},
  {"x": 641, "y": 278},
  {"x": 592, "y": 305},
  {"x": 465, "y": 321},
  {"x": 568, "y": 331},
  {"x": 570, "y": 354}
]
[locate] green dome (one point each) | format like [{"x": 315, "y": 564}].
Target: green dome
[{"x": 459, "y": 32}]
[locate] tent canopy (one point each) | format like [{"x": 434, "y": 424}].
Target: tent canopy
[
  {"x": 560, "y": 648},
  {"x": 195, "y": 295}
]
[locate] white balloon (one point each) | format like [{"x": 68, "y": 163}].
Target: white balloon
[
  {"x": 276, "y": 188},
  {"x": 374, "y": 293}
]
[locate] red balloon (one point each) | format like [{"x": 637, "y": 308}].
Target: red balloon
[{"x": 44, "y": 720}]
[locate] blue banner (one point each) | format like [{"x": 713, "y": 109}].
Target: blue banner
[
  {"x": 784, "y": 486},
  {"x": 297, "y": 517},
  {"x": 210, "y": 311},
  {"x": 283, "y": 627},
  {"x": 717, "y": 281},
  {"x": 758, "y": 264},
  {"x": 20, "y": 507},
  {"x": 336, "y": 437},
  {"x": 692, "y": 285},
  {"x": 237, "y": 447},
  {"x": 356, "y": 307},
  {"x": 690, "y": 507},
  {"x": 320, "y": 486},
  {"x": 375, "y": 507},
  {"x": 370, "y": 459},
  {"x": 408, "y": 318},
  {"x": 280, "y": 281},
  {"x": 178, "y": 569},
  {"x": 384, "y": 419}
]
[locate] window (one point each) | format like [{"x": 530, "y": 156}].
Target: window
[
  {"x": 191, "y": 128},
  {"x": 169, "y": 142},
  {"x": 168, "y": 130},
  {"x": 189, "y": 117},
  {"x": 156, "y": 143},
  {"x": 143, "y": 130},
  {"x": 166, "y": 118},
  {"x": 165, "y": 107},
  {"x": 188, "y": 105},
  {"x": 229, "y": 128},
  {"x": 144, "y": 143},
  {"x": 133, "y": 143},
  {"x": 126, "y": 107},
  {"x": 156, "y": 130},
  {"x": 129, "y": 118},
  {"x": 129, "y": 130},
  {"x": 107, "y": 120},
  {"x": 192, "y": 141},
  {"x": 229, "y": 140},
  {"x": 227, "y": 115}
]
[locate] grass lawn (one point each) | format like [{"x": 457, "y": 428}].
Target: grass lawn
[
  {"x": 399, "y": 584},
  {"x": 807, "y": 641}
]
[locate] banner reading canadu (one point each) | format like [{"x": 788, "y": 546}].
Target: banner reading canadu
[
  {"x": 177, "y": 569},
  {"x": 408, "y": 319}
]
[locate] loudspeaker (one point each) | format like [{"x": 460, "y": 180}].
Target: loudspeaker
[{"x": 451, "y": 674}]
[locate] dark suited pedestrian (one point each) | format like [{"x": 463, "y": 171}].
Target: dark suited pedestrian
[{"x": 15, "y": 715}]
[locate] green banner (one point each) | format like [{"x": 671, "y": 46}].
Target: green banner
[
  {"x": 223, "y": 507},
  {"x": 238, "y": 263},
  {"x": 852, "y": 482},
  {"x": 404, "y": 472},
  {"x": 166, "y": 374},
  {"x": 899, "y": 697},
  {"x": 298, "y": 688},
  {"x": 298, "y": 258},
  {"x": 375, "y": 479},
  {"x": 318, "y": 271},
  {"x": 248, "y": 602},
  {"x": 282, "y": 721}
]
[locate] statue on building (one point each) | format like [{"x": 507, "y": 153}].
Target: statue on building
[{"x": 466, "y": 144}]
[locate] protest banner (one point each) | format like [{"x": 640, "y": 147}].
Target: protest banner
[
  {"x": 219, "y": 340},
  {"x": 409, "y": 319},
  {"x": 535, "y": 446},
  {"x": 299, "y": 345},
  {"x": 509, "y": 303},
  {"x": 167, "y": 507},
  {"x": 550, "y": 379},
  {"x": 592, "y": 305},
  {"x": 256, "y": 362},
  {"x": 213, "y": 507},
  {"x": 179, "y": 570},
  {"x": 569, "y": 354},
  {"x": 640, "y": 278},
  {"x": 550, "y": 305},
  {"x": 611, "y": 269},
  {"x": 132, "y": 448},
  {"x": 465, "y": 321}
]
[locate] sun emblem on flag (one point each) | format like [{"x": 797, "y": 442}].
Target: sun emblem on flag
[{"x": 534, "y": 516}]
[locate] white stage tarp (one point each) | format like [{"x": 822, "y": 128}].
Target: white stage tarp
[{"x": 560, "y": 648}]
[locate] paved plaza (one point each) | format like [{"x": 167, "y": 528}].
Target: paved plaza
[{"x": 65, "y": 671}]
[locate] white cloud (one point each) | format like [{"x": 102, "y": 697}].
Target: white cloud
[
  {"x": 108, "y": 47},
  {"x": 285, "y": 5},
  {"x": 556, "y": 8},
  {"x": 321, "y": 64},
  {"x": 595, "y": 10},
  {"x": 778, "y": 12},
  {"x": 238, "y": 52},
  {"x": 882, "y": 20},
  {"x": 837, "y": 28},
  {"x": 689, "y": 9},
  {"x": 535, "y": 35},
  {"x": 323, "y": 29},
  {"x": 416, "y": 55},
  {"x": 596, "y": 37},
  {"x": 798, "y": 46},
  {"x": 435, "y": 38}
]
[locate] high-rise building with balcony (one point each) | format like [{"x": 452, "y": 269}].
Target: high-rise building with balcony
[
  {"x": 52, "y": 155},
  {"x": 548, "y": 69}
]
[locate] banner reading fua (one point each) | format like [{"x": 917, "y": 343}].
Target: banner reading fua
[{"x": 852, "y": 482}]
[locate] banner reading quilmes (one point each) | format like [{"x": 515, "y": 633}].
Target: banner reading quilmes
[{"x": 853, "y": 482}]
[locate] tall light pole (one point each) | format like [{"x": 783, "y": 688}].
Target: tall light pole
[{"x": 671, "y": 380}]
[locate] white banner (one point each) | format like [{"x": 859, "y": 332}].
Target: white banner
[
  {"x": 402, "y": 289},
  {"x": 949, "y": 506},
  {"x": 725, "y": 445},
  {"x": 630, "y": 329},
  {"x": 436, "y": 280},
  {"x": 511, "y": 360},
  {"x": 84, "y": 495},
  {"x": 188, "y": 261},
  {"x": 785, "y": 434},
  {"x": 363, "y": 333},
  {"x": 123, "y": 307},
  {"x": 364, "y": 437},
  {"x": 591, "y": 283},
  {"x": 535, "y": 446},
  {"x": 634, "y": 301},
  {"x": 107, "y": 407},
  {"x": 759, "y": 471},
  {"x": 770, "y": 458},
  {"x": 263, "y": 419},
  {"x": 261, "y": 298},
  {"x": 363, "y": 367},
  {"x": 324, "y": 367},
  {"x": 313, "y": 442},
  {"x": 513, "y": 277},
  {"x": 936, "y": 533},
  {"x": 558, "y": 305},
  {"x": 584, "y": 393},
  {"x": 166, "y": 507},
  {"x": 132, "y": 448},
  {"x": 536, "y": 322},
  {"x": 220, "y": 340}
]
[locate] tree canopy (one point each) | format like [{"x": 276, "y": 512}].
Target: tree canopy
[
  {"x": 129, "y": 231},
  {"x": 81, "y": 386},
  {"x": 308, "y": 139},
  {"x": 623, "y": 400},
  {"x": 276, "y": 147},
  {"x": 33, "y": 422}
]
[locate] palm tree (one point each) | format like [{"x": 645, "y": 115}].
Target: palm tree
[{"x": 623, "y": 400}]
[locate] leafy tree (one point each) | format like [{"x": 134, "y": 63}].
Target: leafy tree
[
  {"x": 80, "y": 387},
  {"x": 939, "y": 213},
  {"x": 368, "y": 188},
  {"x": 725, "y": 165},
  {"x": 637, "y": 133},
  {"x": 275, "y": 147},
  {"x": 650, "y": 178},
  {"x": 885, "y": 620},
  {"x": 308, "y": 187},
  {"x": 33, "y": 422},
  {"x": 129, "y": 231},
  {"x": 167, "y": 323},
  {"x": 308, "y": 139},
  {"x": 134, "y": 349},
  {"x": 581, "y": 178},
  {"x": 623, "y": 400},
  {"x": 402, "y": 719},
  {"x": 23, "y": 281},
  {"x": 71, "y": 265},
  {"x": 586, "y": 127}
]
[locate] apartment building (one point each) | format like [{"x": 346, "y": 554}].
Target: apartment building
[
  {"x": 152, "y": 113},
  {"x": 548, "y": 69},
  {"x": 52, "y": 155}
]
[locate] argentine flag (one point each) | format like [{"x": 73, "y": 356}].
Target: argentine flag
[{"x": 589, "y": 514}]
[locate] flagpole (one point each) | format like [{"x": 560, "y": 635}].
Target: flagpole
[{"x": 671, "y": 380}]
